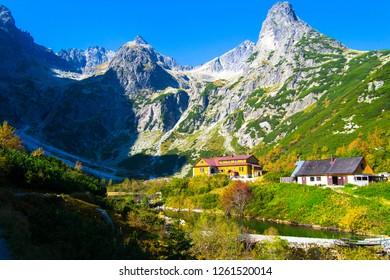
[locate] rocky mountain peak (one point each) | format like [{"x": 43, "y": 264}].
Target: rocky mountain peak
[
  {"x": 284, "y": 40},
  {"x": 283, "y": 10},
  {"x": 96, "y": 56},
  {"x": 87, "y": 60},
  {"x": 139, "y": 45},
  {"x": 137, "y": 67},
  {"x": 6, "y": 18},
  {"x": 281, "y": 29},
  {"x": 139, "y": 41}
]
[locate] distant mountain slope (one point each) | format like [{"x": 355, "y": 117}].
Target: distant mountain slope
[
  {"x": 20, "y": 54},
  {"x": 229, "y": 64},
  {"x": 87, "y": 60}
]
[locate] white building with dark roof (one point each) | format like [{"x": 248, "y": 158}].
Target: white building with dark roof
[{"x": 334, "y": 172}]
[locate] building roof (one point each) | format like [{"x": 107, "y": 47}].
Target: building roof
[
  {"x": 217, "y": 161},
  {"x": 210, "y": 161},
  {"x": 329, "y": 166},
  {"x": 237, "y": 164},
  {"x": 242, "y": 157},
  {"x": 298, "y": 165}
]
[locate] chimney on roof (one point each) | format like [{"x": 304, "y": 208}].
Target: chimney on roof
[{"x": 332, "y": 159}]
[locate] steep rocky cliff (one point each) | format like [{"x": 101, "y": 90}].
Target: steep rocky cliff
[
  {"x": 137, "y": 66},
  {"x": 20, "y": 55}
]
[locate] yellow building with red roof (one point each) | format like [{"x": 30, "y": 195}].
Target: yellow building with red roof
[{"x": 244, "y": 166}]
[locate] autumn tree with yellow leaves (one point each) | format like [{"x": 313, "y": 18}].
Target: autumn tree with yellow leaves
[{"x": 9, "y": 139}]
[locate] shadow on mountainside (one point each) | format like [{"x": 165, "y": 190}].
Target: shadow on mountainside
[
  {"x": 96, "y": 120},
  {"x": 92, "y": 119},
  {"x": 142, "y": 166}
]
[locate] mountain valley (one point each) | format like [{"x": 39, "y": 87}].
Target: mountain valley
[{"x": 142, "y": 115}]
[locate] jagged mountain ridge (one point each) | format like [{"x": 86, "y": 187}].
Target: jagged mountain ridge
[
  {"x": 87, "y": 60},
  {"x": 229, "y": 64},
  {"x": 144, "y": 104},
  {"x": 20, "y": 53},
  {"x": 90, "y": 61}
]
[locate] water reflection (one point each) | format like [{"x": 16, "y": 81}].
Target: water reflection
[{"x": 260, "y": 227}]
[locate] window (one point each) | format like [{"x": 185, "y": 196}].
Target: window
[
  {"x": 318, "y": 178},
  {"x": 361, "y": 178},
  {"x": 311, "y": 179},
  {"x": 362, "y": 166},
  {"x": 201, "y": 170},
  {"x": 241, "y": 169}
]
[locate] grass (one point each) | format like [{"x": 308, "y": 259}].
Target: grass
[
  {"x": 192, "y": 121},
  {"x": 340, "y": 101},
  {"x": 252, "y": 57},
  {"x": 239, "y": 116},
  {"x": 377, "y": 190},
  {"x": 255, "y": 97},
  {"x": 237, "y": 147},
  {"x": 210, "y": 87}
]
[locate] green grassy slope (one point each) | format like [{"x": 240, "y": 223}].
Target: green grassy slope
[{"x": 329, "y": 122}]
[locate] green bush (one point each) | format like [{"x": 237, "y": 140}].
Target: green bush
[
  {"x": 209, "y": 201},
  {"x": 46, "y": 173},
  {"x": 274, "y": 176}
]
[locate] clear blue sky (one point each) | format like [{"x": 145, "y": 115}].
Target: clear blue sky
[{"x": 192, "y": 31}]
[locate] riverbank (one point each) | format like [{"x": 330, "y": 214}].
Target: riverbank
[
  {"x": 361, "y": 211},
  {"x": 311, "y": 226},
  {"x": 333, "y": 231},
  {"x": 304, "y": 242},
  {"x": 292, "y": 240}
]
